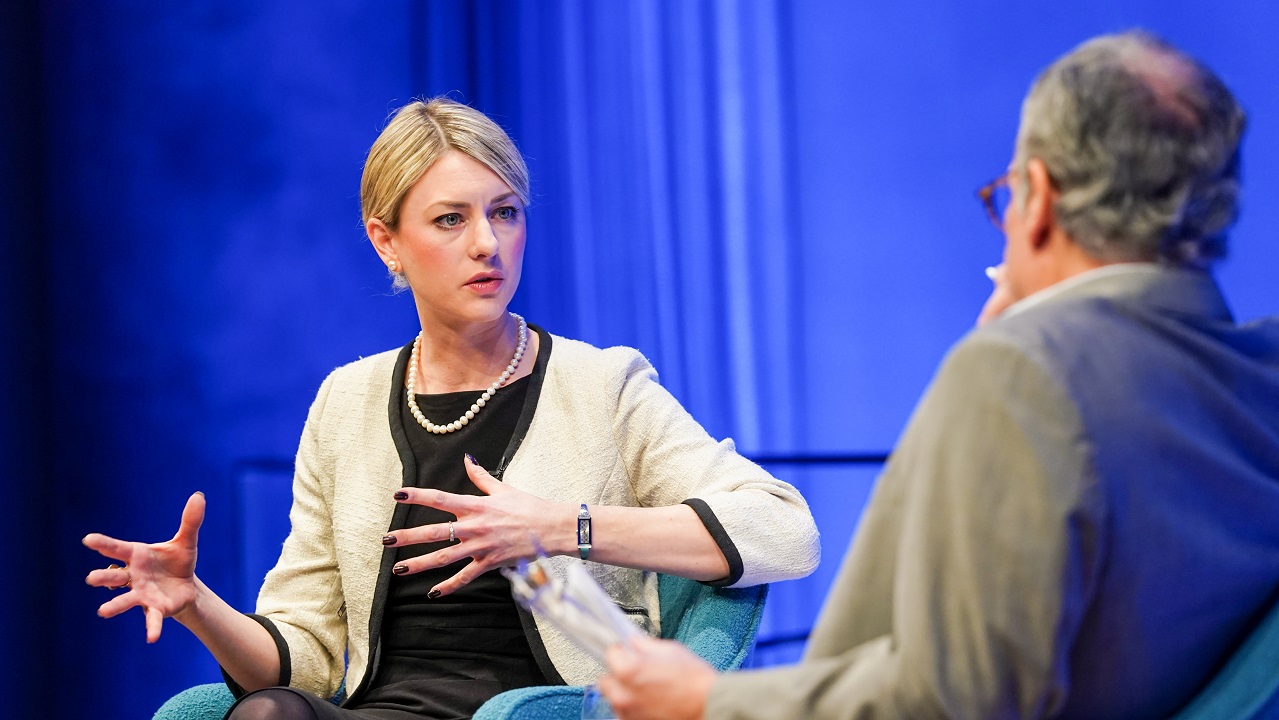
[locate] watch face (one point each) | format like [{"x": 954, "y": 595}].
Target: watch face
[{"x": 583, "y": 531}]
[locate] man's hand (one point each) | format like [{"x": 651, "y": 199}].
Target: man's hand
[
  {"x": 1000, "y": 297},
  {"x": 656, "y": 680}
]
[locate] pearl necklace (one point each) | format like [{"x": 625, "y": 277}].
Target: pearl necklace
[{"x": 469, "y": 415}]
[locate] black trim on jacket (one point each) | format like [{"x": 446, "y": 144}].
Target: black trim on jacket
[
  {"x": 535, "y": 643},
  {"x": 725, "y": 543},
  {"x": 286, "y": 662}
]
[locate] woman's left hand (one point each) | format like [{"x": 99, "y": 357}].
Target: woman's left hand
[{"x": 495, "y": 529}]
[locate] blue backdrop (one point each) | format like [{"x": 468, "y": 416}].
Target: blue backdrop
[{"x": 773, "y": 200}]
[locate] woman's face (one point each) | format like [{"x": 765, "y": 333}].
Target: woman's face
[{"x": 460, "y": 242}]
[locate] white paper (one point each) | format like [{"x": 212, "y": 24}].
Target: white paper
[{"x": 575, "y": 604}]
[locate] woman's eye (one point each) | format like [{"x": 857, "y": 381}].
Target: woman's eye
[
  {"x": 506, "y": 212},
  {"x": 449, "y": 220}
]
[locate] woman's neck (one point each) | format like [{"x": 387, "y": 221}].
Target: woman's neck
[{"x": 467, "y": 357}]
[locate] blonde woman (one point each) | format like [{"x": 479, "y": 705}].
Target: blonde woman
[{"x": 423, "y": 469}]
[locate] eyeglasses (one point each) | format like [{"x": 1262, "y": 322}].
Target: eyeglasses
[{"x": 994, "y": 197}]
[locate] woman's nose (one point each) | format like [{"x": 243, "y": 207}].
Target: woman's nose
[{"x": 483, "y": 240}]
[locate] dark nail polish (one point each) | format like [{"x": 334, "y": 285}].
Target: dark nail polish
[
  {"x": 401, "y": 495},
  {"x": 400, "y": 569},
  {"x": 471, "y": 459},
  {"x": 433, "y": 594},
  {"x": 388, "y": 539}
]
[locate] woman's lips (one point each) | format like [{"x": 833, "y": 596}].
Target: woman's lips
[{"x": 485, "y": 286}]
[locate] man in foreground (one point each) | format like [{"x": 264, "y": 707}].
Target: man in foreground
[{"x": 1080, "y": 519}]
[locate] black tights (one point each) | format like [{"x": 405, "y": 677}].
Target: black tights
[{"x": 273, "y": 704}]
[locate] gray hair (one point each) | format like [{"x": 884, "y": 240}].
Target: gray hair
[{"x": 1142, "y": 143}]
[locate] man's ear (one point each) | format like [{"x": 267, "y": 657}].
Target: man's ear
[
  {"x": 380, "y": 235},
  {"x": 1040, "y": 198}
]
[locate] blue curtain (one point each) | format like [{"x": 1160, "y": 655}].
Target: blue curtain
[
  {"x": 656, "y": 134},
  {"x": 772, "y": 200}
]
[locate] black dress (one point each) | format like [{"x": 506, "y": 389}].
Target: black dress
[{"x": 441, "y": 659}]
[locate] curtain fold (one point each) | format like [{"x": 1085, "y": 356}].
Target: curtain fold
[{"x": 655, "y": 132}]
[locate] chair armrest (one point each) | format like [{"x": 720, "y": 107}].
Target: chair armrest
[
  {"x": 718, "y": 624},
  {"x": 546, "y": 702},
  {"x": 1247, "y": 688},
  {"x": 202, "y": 702}
]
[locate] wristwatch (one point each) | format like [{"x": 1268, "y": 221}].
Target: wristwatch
[{"x": 584, "y": 532}]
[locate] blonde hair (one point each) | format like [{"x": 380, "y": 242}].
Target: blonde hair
[{"x": 421, "y": 133}]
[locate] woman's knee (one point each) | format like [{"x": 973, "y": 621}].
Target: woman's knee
[{"x": 272, "y": 704}]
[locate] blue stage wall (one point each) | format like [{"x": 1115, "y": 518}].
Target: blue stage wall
[{"x": 773, "y": 200}]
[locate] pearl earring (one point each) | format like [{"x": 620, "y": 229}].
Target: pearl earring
[{"x": 393, "y": 266}]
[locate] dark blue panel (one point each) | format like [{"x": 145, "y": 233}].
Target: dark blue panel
[
  {"x": 264, "y": 493},
  {"x": 27, "y": 525}
]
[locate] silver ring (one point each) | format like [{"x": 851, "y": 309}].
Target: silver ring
[
  {"x": 128, "y": 582},
  {"x": 452, "y": 537}
]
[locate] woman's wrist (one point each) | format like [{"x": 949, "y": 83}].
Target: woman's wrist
[
  {"x": 192, "y": 615},
  {"x": 561, "y": 537}
]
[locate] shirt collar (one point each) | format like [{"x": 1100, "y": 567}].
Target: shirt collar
[{"x": 1083, "y": 278}]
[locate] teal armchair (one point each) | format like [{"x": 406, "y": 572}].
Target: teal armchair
[
  {"x": 718, "y": 624},
  {"x": 1247, "y": 688}
]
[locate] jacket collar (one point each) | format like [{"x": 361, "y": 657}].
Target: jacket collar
[{"x": 1173, "y": 290}]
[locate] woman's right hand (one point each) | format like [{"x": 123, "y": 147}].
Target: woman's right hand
[{"x": 159, "y": 578}]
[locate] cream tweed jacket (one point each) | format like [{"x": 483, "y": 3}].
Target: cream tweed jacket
[{"x": 603, "y": 432}]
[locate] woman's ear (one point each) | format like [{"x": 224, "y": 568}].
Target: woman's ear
[{"x": 383, "y": 241}]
